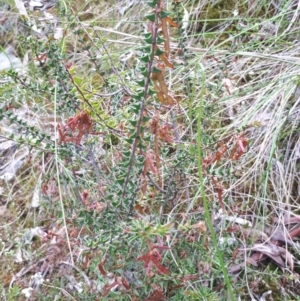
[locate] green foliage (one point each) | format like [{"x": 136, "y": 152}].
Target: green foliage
[
  {"x": 153, "y": 155},
  {"x": 13, "y": 293}
]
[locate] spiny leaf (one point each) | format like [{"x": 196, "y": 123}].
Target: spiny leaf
[
  {"x": 148, "y": 38},
  {"x": 145, "y": 58},
  {"x": 164, "y": 14},
  {"x": 160, "y": 40},
  {"x": 151, "y": 17},
  {"x": 152, "y": 3},
  {"x": 158, "y": 51}
]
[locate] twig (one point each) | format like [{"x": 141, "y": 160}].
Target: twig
[
  {"x": 28, "y": 144},
  {"x": 155, "y": 185},
  {"x": 139, "y": 123}
]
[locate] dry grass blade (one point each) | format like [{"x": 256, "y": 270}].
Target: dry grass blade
[
  {"x": 254, "y": 234},
  {"x": 279, "y": 255},
  {"x": 288, "y": 257}
]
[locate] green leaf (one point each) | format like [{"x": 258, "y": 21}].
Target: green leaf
[
  {"x": 148, "y": 38},
  {"x": 131, "y": 132},
  {"x": 133, "y": 122},
  {"x": 159, "y": 52},
  {"x": 160, "y": 40},
  {"x": 142, "y": 146},
  {"x": 88, "y": 96},
  {"x": 164, "y": 14},
  {"x": 152, "y": 3},
  {"x": 139, "y": 95},
  {"x": 114, "y": 202},
  {"x": 125, "y": 164},
  {"x": 141, "y": 82},
  {"x": 156, "y": 70},
  {"x": 121, "y": 181},
  {"x": 129, "y": 140},
  {"x": 151, "y": 92},
  {"x": 145, "y": 58},
  {"x": 127, "y": 153},
  {"x": 146, "y": 118},
  {"x": 151, "y": 17},
  {"x": 72, "y": 70},
  {"x": 135, "y": 108},
  {"x": 147, "y": 138},
  {"x": 109, "y": 196},
  {"x": 146, "y": 49},
  {"x": 77, "y": 80},
  {"x": 144, "y": 71}
]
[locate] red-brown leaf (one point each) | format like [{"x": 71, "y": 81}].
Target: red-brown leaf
[
  {"x": 101, "y": 269},
  {"x": 157, "y": 295},
  {"x": 171, "y": 22}
]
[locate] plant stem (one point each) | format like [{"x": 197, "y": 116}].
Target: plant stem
[{"x": 142, "y": 107}]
